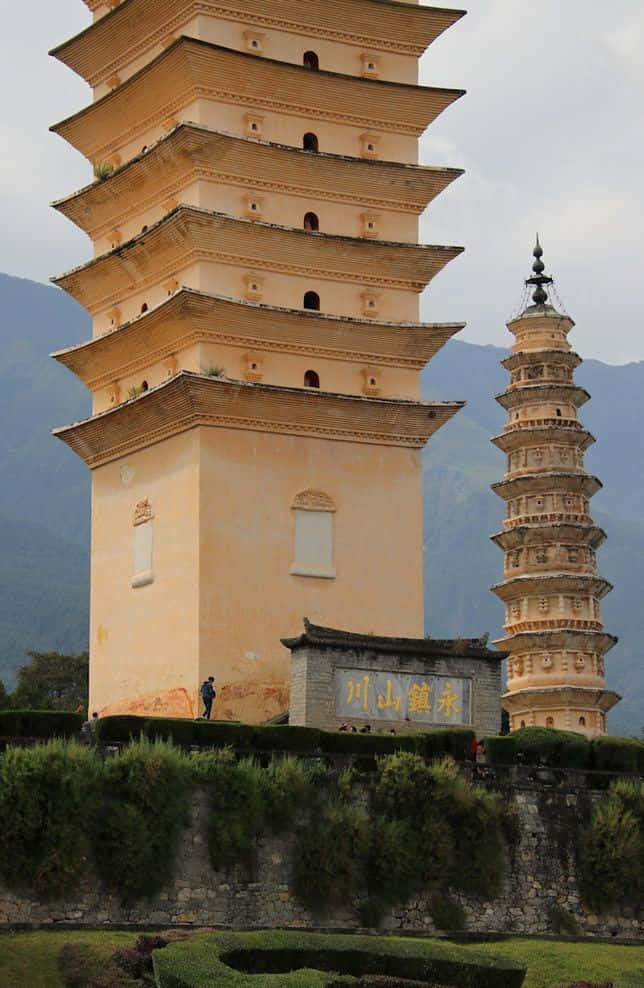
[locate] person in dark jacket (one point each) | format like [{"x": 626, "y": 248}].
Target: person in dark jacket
[{"x": 208, "y": 694}]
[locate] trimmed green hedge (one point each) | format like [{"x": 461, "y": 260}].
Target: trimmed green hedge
[
  {"x": 566, "y": 749},
  {"x": 454, "y": 741},
  {"x": 285, "y": 959},
  {"x": 501, "y": 750},
  {"x": 617, "y": 754},
  {"x": 39, "y": 723}
]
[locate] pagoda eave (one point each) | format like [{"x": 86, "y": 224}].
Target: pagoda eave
[
  {"x": 536, "y": 315},
  {"x": 538, "y": 483},
  {"x": 517, "y": 439},
  {"x": 559, "y": 698},
  {"x": 519, "y": 396},
  {"x": 189, "y": 317},
  {"x": 191, "y": 151},
  {"x": 383, "y": 25},
  {"x": 565, "y": 358},
  {"x": 190, "y": 69},
  {"x": 538, "y": 534},
  {"x": 555, "y": 639},
  {"x": 189, "y": 234},
  {"x": 553, "y": 581},
  {"x": 190, "y": 400}
]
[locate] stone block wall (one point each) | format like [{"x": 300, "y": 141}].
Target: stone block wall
[{"x": 542, "y": 876}]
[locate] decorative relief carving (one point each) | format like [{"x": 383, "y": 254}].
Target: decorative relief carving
[
  {"x": 312, "y": 500},
  {"x": 143, "y": 511}
]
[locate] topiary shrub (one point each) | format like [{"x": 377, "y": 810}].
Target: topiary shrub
[
  {"x": 77, "y": 964},
  {"x": 557, "y": 749},
  {"x": 176, "y": 730},
  {"x": 45, "y": 793},
  {"x": 143, "y": 807},
  {"x": 456, "y": 742},
  {"x": 119, "y": 728},
  {"x": 39, "y": 724},
  {"x": 611, "y": 848},
  {"x": 501, "y": 750},
  {"x": 616, "y": 754}
]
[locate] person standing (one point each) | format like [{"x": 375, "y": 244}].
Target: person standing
[{"x": 208, "y": 694}]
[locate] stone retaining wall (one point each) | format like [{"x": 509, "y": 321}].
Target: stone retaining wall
[{"x": 541, "y": 877}]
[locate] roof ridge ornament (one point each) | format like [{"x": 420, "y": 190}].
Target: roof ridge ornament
[{"x": 539, "y": 279}]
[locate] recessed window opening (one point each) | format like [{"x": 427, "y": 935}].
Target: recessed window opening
[
  {"x": 311, "y": 60},
  {"x": 522, "y": 723},
  {"x": 311, "y": 379},
  {"x": 144, "y": 307},
  {"x": 310, "y": 142},
  {"x": 582, "y": 721},
  {"x": 312, "y": 301},
  {"x": 550, "y": 722},
  {"x": 311, "y": 222},
  {"x": 144, "y": 385},
  {"x": 558, "y": 413}
]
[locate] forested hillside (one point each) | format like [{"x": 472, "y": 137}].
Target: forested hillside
[{"x": 44, "y": 497}]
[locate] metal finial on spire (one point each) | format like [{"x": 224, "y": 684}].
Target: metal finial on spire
[{"x": 539, "y": 279}]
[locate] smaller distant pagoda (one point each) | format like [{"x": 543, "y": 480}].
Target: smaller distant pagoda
[{"x": 551, "y": 592}]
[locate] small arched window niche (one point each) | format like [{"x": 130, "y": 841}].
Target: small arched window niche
[
  {"x": 313, "y": 535},
  {"x": 312, "y": 301},
  {"x": 311, "y": 61},
  {"x": 311, "y": 222},
  {"x": 311, "y": 379},
  {"x": 310, "y": 142}
]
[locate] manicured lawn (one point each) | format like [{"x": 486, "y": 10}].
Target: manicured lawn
[
  {"x": 28, "y": 960},
  {"x": 551, "y": 962}
]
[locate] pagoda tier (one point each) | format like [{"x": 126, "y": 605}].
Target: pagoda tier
[
  {"x": 543, "y": 437},
  {"x": 557, "y": 534},
  {"x": 188, "y": 400},
  {"x": 190, "y": 236},
  {"x": 189, "y": 318},
  {"x": 551, "y": 590},
  {"x": 542, "y": 396},
  {"x": 116, "y": 42},
  {"x": 195, "y": 165},
  {"x": 531, "y": 706},
  {"x": 233, "y": 90}
]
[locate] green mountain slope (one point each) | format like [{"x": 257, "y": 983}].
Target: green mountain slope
[{"x": 44, "y": 500}]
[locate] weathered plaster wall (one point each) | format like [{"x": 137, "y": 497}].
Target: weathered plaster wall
[{"x": 542, "y": 876}]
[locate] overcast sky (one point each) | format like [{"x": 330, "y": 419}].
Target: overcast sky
[{"x": 550, "y": 134}]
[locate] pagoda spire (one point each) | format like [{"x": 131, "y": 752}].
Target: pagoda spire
[
  {"x": 538, "y": 278},
  {"x": 551, "y": 591}
]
